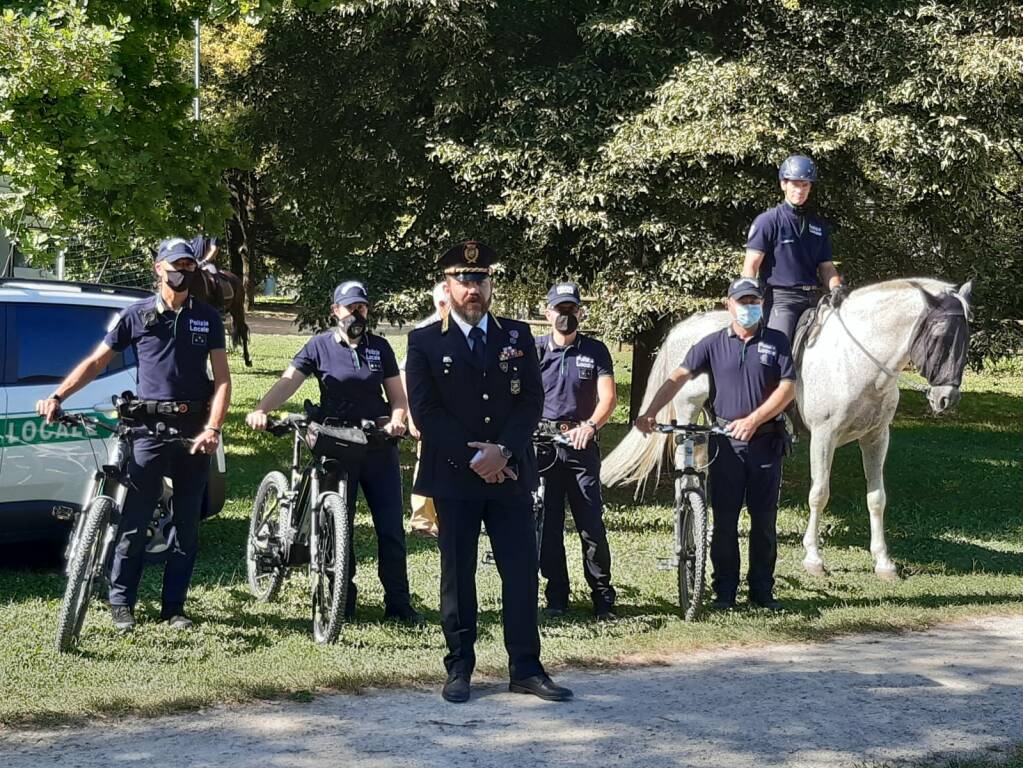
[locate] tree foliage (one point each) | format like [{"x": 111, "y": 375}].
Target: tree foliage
[
  {"x": 94, "y": 122},
  {"x": 629, "y": 144}
]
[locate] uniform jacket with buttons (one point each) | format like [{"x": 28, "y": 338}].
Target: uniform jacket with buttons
[{"x": 454, "y": 402}]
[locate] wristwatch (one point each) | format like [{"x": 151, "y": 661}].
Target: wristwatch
[
  {"x": 591, "y": 423},
  {"x": 505, "y": 452},
  {"x": 56, "y": 397}
]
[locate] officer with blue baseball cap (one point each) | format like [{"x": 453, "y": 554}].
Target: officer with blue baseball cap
[
  {"x": 579, "y": 398},
  {"x": 174, "y": 335},
  {"x": 753, "y": 380},
  {"x": 359, "y": 380},
  {"x": 789, "y": 249}
]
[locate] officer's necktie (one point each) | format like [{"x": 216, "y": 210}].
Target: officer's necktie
[{"x": 479, "y": 345}]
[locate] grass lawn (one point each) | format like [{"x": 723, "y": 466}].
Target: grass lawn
[
  {"x": 953, "y": 525},
  {"x": 1012, "y": 759}
]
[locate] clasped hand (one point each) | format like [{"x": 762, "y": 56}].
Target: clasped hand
[{"x": 489, "y": 464}]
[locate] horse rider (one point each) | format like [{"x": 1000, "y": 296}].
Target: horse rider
[
  {"x": 476, "y": 397},
  {"x": 206, "y": 251},
  {"x": 753, "y": 380},
  {"x": 789, "y": 248},
  {"x": 173, "y": 335},
  {"x": 424, "y": 515},
  {"x": 579, "y": 398},
  {"x": 356, "y": 371}
]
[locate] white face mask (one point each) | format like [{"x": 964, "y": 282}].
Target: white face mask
[{"x": 748, "y": 315}]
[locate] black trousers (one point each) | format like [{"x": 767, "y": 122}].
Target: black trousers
[
  {"x": 379, "y": 477},
  {"x": 151, "y": 461},
  {"x": 575, "y": 474},
  {"x": 750, "y": 473},
  {"x": 513, "y": 541},
  {"x": 784, "y": 306}
]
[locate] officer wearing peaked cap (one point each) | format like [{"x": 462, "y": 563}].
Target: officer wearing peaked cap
[{"x": 476, "y": 396}]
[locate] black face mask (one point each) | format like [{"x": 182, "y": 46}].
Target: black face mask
[
  {"x": 566, "y": 323},
  {"x": 179, "y": 281},
  {"x": 354, "y": 326}
]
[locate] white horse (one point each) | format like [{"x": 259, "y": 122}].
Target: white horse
[{"x": 847, "y": 388}]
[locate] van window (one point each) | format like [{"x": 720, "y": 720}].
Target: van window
[{"x": 45, "y": 341}]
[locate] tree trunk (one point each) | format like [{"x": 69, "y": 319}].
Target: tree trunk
[{"x": 644, "y": 349}]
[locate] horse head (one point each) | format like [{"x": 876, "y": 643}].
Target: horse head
[{"x": 940, "y": 347}]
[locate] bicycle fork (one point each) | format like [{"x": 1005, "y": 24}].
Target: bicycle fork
[{"x": 96, "y": 489}]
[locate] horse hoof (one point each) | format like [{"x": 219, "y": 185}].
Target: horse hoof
[
  {"x": 814, "y": 569},
  {"x": 887, "y": 574}
]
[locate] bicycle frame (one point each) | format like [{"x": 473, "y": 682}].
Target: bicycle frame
[
  {"x": 305, "y": 495},
  {"x": 306, "y": 492}
]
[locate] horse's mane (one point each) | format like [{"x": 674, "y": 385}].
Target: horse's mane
[{"x": 930, "y": 285}]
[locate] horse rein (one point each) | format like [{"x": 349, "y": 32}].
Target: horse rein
[{"x": 901, "y": 377}]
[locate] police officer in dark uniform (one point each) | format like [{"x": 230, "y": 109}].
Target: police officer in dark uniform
[
  {"x": 579, "y": 398},
  {"x": 789, "y": 248},
  {"x": 476, "y": 397},
  {"x": 355, "y": 369},
  {"x": 753, "y": 381},
  {"x": 174, "y": 335}
]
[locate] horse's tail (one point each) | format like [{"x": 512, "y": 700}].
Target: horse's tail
[{"x": 638, "y": 455}]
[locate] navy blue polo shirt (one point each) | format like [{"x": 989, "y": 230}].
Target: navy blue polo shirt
[
  {"x": 570, "y": 376},
  {"x": 744, "y": 373},
  {"x": 351, "y": 379},
  {"x": 793, "y": 244},
  {"x": 172, "y": 347}
]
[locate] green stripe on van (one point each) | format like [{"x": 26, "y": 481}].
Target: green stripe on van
[{"x": 20, "y": 430}]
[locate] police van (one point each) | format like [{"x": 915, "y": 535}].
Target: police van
[{"x": 46, "y": 328}]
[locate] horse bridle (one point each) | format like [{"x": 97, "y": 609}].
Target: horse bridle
[{"x": 942, "y": 310}]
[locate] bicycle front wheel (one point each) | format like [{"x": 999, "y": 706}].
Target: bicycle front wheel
[
  {"x": 691, "y": 551},
  {"x": 330, "y": 571},
  {"x": 263, "y": 552},
  {"x": 85, "y": 563}
]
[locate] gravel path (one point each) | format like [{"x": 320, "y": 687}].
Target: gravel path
[{"x": 861, "y": 699}]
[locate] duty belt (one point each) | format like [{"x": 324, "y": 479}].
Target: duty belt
[
  {"x": 775, "y": 427},
  {"x": 557, "y": 426},
  {"x": 802, "y": 288},
  {"x": 170, "y": 407}
]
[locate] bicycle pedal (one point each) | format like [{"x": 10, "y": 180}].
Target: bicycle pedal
[
  {"x": 488, "y": 559},
  {"x": 667, "y": 563}
]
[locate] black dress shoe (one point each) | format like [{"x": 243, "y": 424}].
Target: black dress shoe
[
  {"x": 456, "y": 689},
  {"x": 554, "y": 612},
  {"x": 606, "y": 614},
  {"x": 542, "y": 686},
  {"x": 721, "y": 604},
  {"x": 768, "y": 604}
]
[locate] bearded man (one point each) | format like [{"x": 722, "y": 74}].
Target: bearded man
[{"x": 476, "y": 397}]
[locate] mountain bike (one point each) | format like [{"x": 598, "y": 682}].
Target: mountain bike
[
  {"x": 90, "y": 547},
  {"x": 296, "y": 521},
  {"x": 692, "y": 522}
]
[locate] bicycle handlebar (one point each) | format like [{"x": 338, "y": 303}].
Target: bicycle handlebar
[
  {"x": 295, "y": 422},
  {"x": 691, "y": 429},
  {"x": 167, "y": 434},
  {"x": 560, "y": 439}
]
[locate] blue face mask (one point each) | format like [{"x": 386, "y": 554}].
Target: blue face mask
[{"x": 748, "y": 315}]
